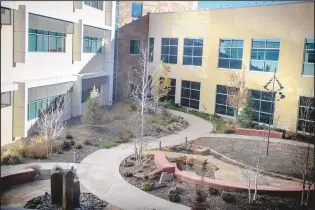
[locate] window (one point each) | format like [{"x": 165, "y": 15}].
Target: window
[
  {"x": 95, "y": 4},
  {"x": 169, "y": 50},
  {"x": 5, "y": 99},
  {"x": 136, "y": 10},
  {"x": 92, "y": 44},
  {"x": 263, "y": 105},
  {"x": 190, "y": 94},
  {"x": 193, "y": 52},
  {"x": 86, "y": 93},
  {"x": 171, "y": 94},
  {"x": 221, "y": 101},
  {"x": 35, "y": 107},
  {"x": 265, "y": 55},
  {"x": 231, "y": 53},
  {"x": 151, "y": 49},
  {"x": 45, "y": 41},
  {"x": 309, "y": 58},
  {"x": 135, "y": 47},
  {"x": 306, "y": 114}
]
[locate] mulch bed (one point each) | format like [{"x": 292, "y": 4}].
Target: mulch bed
[
  {"x": 214, "y": 201},
  {"x": 281, "y": 158}
]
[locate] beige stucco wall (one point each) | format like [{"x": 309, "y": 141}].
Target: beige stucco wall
[
  {"x": 6, "y": 124},
  {"x": 291, "y": 23}
]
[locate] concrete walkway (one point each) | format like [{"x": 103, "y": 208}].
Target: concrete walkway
[
  {"x": 46, "y": 165},
  {"x": 99, "y": 172}
]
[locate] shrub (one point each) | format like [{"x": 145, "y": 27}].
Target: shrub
[
  {"x": 146, "y": 186},
  {"x": 228, "y": 197},
  {"x": 228, "y": 131},
  {"x": 78, "y": 145},
  {"x": 173, "y": 195},
  {"x": 92, "y": 115},
  {"x": 246, "y": 116},
  {"x": 133, "y": 106},
  {"x": 57, "y": 168},
  {"x": 107, "y": 145},
  {"x": 11, "y": 158},
  {"x": 69, "y": 136},
  {"x": 125, "y": 135},
  {"x": 37, "y": 150},
  {"x": 35, "y": 167},
  {"x": 67, "y": 145},
  {"x": 178, "y": 189},
  {"x": 213, "y": 191},
  {"x": 87, "y": 142}
]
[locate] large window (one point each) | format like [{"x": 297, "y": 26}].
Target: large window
[
  {"x": 265, "y": 55},
  {"x": 135, "y": 47},
  {"x": 221, "y": 101},
  {"x": 190, "y": 94},
  {"x": 5, "y": 99},
  {"x": 193, "y": 49},
  {"x": 309, "y": 58},
  {"x": 35, "y": 107},
  {"x": 95, "y": 4},
  {"x": 151, "y": 49},
  {"x": 92, "y": 44},
  {"x": 263, "y": 105},
  {"x": 45, "y": 41},
  {"x": 171, "y": 93},
  {"x": 231, "y": 53},
  {"x": 86, "y": 93},
  {"x": 169, "y": 50},
  {"x": 136, "y": 10},
  {"x": 306, "y": 114}
]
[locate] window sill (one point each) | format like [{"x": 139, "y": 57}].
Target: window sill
[
  {"x": 193, "y": 66},
  {"x": 93, "y": 52},
  {"x": 43, "y": 52},
  {"x": 224, "y": 69},
  {"x": 264, "y": 72},
  {"x": 307, "y": 75}
]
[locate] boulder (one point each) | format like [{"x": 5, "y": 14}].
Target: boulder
[
  {"x": 140, "y": 175},
  {"x": 127, "y": 164},
  {"x": 201, "y": 151}
]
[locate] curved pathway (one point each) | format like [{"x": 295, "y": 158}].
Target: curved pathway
[{"x": 99, "y": 172}]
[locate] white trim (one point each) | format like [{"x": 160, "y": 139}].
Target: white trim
[
  {"x": 9, "y": 87},
  {"x": 49, "y": 81},
  {"x": 93, "y": 75}
]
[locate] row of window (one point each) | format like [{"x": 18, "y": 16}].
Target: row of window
[
  {"x": 95, "y": 4},
  {"x": 47, "y": 41},
  {"x": 86, "y": 93},
  {"x": 263, "y": 104},
  {"x": 264, "y": 53},
  {"x": 35, "y": 107}
]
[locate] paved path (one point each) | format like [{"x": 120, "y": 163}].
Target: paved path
[
  {"x": 99, "y": 172},
  {"x": 47, "y": 165}
]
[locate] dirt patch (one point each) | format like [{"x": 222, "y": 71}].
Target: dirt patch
[{"x": 281, "y": 158}]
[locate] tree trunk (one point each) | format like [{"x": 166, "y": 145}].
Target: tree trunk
[{"x": 235, "y": 114}]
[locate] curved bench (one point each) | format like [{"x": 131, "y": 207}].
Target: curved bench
[
  {"x": 16, "y": 177},
  {"x": 162, "y": 163}
]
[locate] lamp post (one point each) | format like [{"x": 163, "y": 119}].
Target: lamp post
[{"x": 273, "y": 80}]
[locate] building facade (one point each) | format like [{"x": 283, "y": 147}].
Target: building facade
[
  {"x": 133, "y": 28},
  {"x": 53, "y": 49},
  {"x": 201, "y": 47}
]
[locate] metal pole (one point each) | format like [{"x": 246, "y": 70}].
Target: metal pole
[{"x": 273, "y": 90}]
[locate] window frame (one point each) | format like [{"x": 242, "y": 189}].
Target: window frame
[
  {"x": 226, "y": 102},
  {"x": 193, "y": 46},
  {"x": 91, "y": 41},
  {"x": 3, "y": 105},
  {"x": 169, "y": 45},
  {"x": 231, "y": 59},
  {"x": 265, "y": 49},
  {"x": 141, "y": 9},
  {"x": 307, "y": 63},
  {"x": 190, "y": 90},
  {"x": 49, "y": 35},
  {"x": 95, "y": 4},
  {"x": 133, "y": 47},
  {"x": 298, "y": 114},
  {"x": 151, "y": 49}
]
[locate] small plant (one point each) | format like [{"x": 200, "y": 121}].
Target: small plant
[
  {"x": 35, "y": 167},
  {"x": 57, "y": 168},
  {"x": 78, "y": 146},
  {"x": 67, "y": 145},
  {"x": 246, "y": 115},
  {"x": 125, "y": 135},
  {"x": 109, "y": 144},
  {"x": 146, "y": 186},
  {"x": 92, "y": 115},
  {"x": 87, "y": 142},
  {"x": 11, "y": 158},
  {"x": 133, "y": 106},
  {"x": 173, "y": 195},
  {"x": 228, "y": 197},
  {"x": 69, "y": 136},
  {"x": 213, "y": 191}
]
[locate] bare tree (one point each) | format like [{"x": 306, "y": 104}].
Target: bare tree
[
  {"x": 237, "y": 90},
  {"x": 51, "y": 124},
  {"x": 144, "y": 77}
]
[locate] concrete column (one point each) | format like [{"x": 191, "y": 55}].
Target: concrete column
[
  {"x": 20, "y": 34},
  {"x": 20, "y": 101}
]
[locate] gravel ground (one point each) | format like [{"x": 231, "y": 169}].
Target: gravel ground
[
  {"x": 215, "y": 202},
  {"x": 87, "y": 201},
  {"x": 282, "y": 157}
]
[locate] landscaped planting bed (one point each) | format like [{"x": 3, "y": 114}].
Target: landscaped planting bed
[{"x": 215, "y": 199}]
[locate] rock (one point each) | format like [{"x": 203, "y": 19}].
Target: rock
[
  {"x": 56, "y": 184},
  {"x": 166, "y": 177},
  {"x": 155, "y": 172},
  {"x": 127, "y": 164},
  {"x": 132, "y": 157},
  {"x": 213, "y": 168},
  {"x": 201, "y": 151},
  {"x": 127, "y": 174},
  {"x": 149, "y": 155},
  {"x": 139, "y": 175},
  {"x": 158, "y": 186},
  {"x": 190, "y": 161}
]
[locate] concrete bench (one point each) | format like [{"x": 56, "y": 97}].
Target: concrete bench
[{"x": 16, "y": 177}]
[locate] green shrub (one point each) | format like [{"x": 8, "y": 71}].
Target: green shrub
[
  {"x": 146, "y": 186},
  {"x": 67, "y": 145},
  {"x": 11, "y": 158},
  {"x": 228, "y": 197},
  {"x": 109, "y": 144},
  {"x": 57, "y": 168},
  {"x": 173, "y": 195},
  {"x": 246, "y": 116}
]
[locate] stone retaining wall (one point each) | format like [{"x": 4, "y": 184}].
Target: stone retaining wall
[{"x": 254, "y": 132}]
